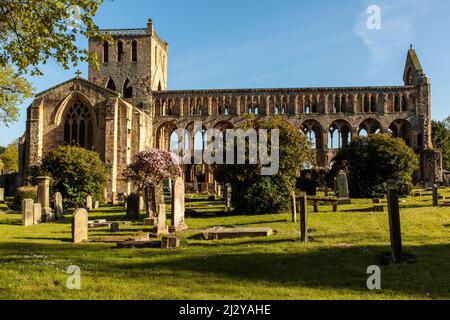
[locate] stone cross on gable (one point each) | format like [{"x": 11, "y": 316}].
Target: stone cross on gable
[{"x": 78, "y": 73}]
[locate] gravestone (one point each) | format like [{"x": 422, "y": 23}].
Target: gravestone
[
  {"x": 37, "y": 213},
  {"x": 27, "y": 212},
  {"x": 141, "y": 203},
  {"x": 170, "y": 242},
  {"x": 133, "y": 212},
  {"x": 303, "y": 204},
  {"x": 195, "y": 184},
  {"x": 178, "y": 209},
  {"x": 394, "y": 223},
  {"x": 96, "y": 204},
  {"x": 114, "y": 227},
  {"x": 161, "y": 227},
  {"x": 2, "y": 195},
  {"x": 80, "y": 226},
  {"x": 293, "y": 207},
  {"x": 44, "y": 196},
  {"x": 344, "y": 195},
  {"x": 59, "y": 209},
  {"x": 435, "y": 196},
  {"x": 89, "y": 205}
]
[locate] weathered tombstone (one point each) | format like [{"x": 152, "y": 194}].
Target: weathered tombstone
[
  {"x": 293, "y": 207},
  {"x": 195, "y": 184},
  {"x": 2, "y": 195},
  {"x": 133, "y": 212},
  {"x": 59, "y": 209},
  {"x": 96, "y": 204},
  {"x": 37, "y": 213},
  {"x": 344, "y": 195},
  {"x": 303, "y": 204},
  {"x": 44, "y": 196},
  {"x": 178, "y": 209},
  {"x": 27, "y": 212},
  {"x": 141, "y": 203},
  {"x": 114, "y": 227},
  {"x": 80, "y": 226},
  {"x": 170, "y": 242},
  {"x": 435, "y": 196},
  {"x": 89, "y": 205},
  {"x": 394, "y": 223},
  {"x": 161, "y": 227}
]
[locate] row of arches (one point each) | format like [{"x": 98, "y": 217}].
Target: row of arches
[
  {"x": 336, "y": 136},
  {"x": 120, "y": 51},
  {"x": 285, "y": 104},
  {"x": 127, "y": 88}
]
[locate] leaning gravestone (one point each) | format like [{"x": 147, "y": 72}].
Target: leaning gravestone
[
  {"x": 2, "y": 195},
  {"x": 37, "y": 213},
  {"x": 27, "y": 212},
  {"x": 89, "y": 205},
  {"x": 344, "y": 195},
  {"x": 178, "y": 208},
  {"x": 80, "y": 226},
  {"x": 59, "y": 205},
  {"x": 133, "y": 212}
]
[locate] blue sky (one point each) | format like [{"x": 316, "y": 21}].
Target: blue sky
[{"x": 286, "y": 43}]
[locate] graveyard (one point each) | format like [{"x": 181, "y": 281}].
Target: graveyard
[{"x": 341, "y": 245}]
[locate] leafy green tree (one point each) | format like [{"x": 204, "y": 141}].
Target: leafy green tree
[
  {"x": 10, "y": 159},
  {"x": 14, "y": 90},
  {"x": 441, "y": 141},
  {"x": 372, "y": 161},
  {"x": 257, "y": 194},
  {"x": 76, "y": 173}
]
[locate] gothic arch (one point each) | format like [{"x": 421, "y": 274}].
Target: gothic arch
[
  {"x": 402, "y": 129},
  {"x": 370, "y": 126},
  {"x": 164, "y": 135},
  {"x": 313, "y": 130},
  {"x": 339, "y": 134},
  {"x": 127, "y": 89},
  {"x": 65, "y": 104},
  {"x": 111, "y": 85}
]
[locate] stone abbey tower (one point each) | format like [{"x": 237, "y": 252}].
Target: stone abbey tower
[{"x": 125, "y": 107}]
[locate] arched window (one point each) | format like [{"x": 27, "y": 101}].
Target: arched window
[
  {"x": 105, "y": 52},
  {"x": 308, "y": 105},
  {"x": 78, "y": 127},
  {"x": 111, "y": 85},
  {"x": 134, "y": 54},
  {"x": 127, "y": 90},
  {"x": 119, "y": 51}
]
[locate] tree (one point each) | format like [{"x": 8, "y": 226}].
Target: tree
[
  {"x": 10, "y": 158},
  {"x": 76, "y": 173},
  {"x": 33, "y": 31},
  {"x": 148, "y": 170},
  {"x": 257, "y": 194},
  {"x": 14, "y": 90},
  {"x": 441, "y": 141},
  {"x": 372, "y": 161}
]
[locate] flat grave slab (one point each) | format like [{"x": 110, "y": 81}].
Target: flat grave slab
[
  {"x": 139, "y": 244},
  {"x": 218, "y": 233}
]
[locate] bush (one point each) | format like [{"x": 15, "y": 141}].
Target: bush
[
  {"x": 76, "y": 173},
  {"x": 372, "y": 161},
  {"x": 21, "y": 194}
]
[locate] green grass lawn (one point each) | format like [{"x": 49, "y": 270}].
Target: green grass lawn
[{"x": 34, "y": 260}]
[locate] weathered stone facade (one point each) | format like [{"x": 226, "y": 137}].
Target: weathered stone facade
[{"x": 125, "y": 107}]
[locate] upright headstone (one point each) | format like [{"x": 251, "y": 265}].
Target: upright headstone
[
  {"x": 59, "y": 209},
  {"x": 178, "y": 208},
  {"x": 44, "y": 196},
  {"x": 89, "y": 205},
  {"x": 293, "y": 207},
  {"x": 96, "y": 204},
  {"x": 2, "y": 195},
  {"x": 133, "y": 212},
  {"x": 195, "y": 184},
  {"x": 435, "y": 196},
  {"x": 80, "y": 226},
  {"x": 303, "y": 204},
  {"x": 141, "y": 203},
  {"x": 344, "y": 195},
  {"x": 114, "y": 227},
  {"x": 394, "y": 223},
  {"x": 37, "y": 213},
  {"x": 161, "y": 227},
  {"x": 27, "y": 212}
]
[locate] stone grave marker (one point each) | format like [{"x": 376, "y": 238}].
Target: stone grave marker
[
  {"x": 344, "y": 195},
  {"x": 59, "y": 209},
  {"x": 394, "y": 223},
  {"x": 435, "y": 196},
  {"x": 133, "y": 212},
  {"x": 27, "y": 212},
  {"x": 161, "y": 227},
  {"x": 80, "y": 226},
  {"x": 96, "y": 204},
  {"x": 303, "y": 204},
  {"x": 44, "y": 197},
  {"x": 170, "y": 242},
  {"x": 2, "y": 195},
  {"x": 178, "y": 206},
  {"x": 37, "y": 213},
  {"x": 114, "y": 227},
  {"x": 89, "y": 205}
]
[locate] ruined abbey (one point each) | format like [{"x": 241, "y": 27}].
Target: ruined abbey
[{"x": 125, "y": 107}]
